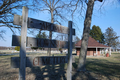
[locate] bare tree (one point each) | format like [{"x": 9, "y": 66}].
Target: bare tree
[
  {"x": 76, "y": 39},
  {"x": 86, "y": 31},
  {"x": 7, "y": 9},
  {"x": 2, "y": 32},
  {"x": 111, "y": 38},
  {"x": 55, "y": 8},
  {"x": 81, "y": 4}
]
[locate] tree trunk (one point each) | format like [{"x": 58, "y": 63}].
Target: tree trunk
[
  {"x": 50, "y": 32},
  {"x": 87, "y": 24},
  {"x": 40, "y": 32}
]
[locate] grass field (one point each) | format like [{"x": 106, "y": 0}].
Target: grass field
[{"x": 98, "y": 68}]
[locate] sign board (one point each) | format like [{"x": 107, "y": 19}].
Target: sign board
[
  {"x": 40, "y": 42},
  {"x": 38, "y": 24},
  {"x": 39, "y": 61}
]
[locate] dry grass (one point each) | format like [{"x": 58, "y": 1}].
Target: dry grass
[{"x": 99, "y": 68}]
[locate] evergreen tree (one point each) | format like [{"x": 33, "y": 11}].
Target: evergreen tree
[
  {"x": 40, "y": 35},
  {"x": 43, "y": 35},
  {"x": 97, "y": 34}
]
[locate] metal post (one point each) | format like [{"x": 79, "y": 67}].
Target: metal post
[
  {"x": 69, "y": 64},
  {"x": 23, "y": 44}
]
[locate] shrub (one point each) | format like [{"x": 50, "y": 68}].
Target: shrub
[
  {"x": 35, "y": 48},
  {"x": 17, "y": 48},
  {"x": 60, "y": 49}
]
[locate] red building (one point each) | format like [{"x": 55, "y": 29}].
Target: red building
[{"x": 94, "y": 47}]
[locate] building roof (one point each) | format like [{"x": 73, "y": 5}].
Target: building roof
[{"x": 92, "y": 43}]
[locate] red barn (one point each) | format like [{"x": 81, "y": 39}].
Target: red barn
[{"x": 93, "y": 49}]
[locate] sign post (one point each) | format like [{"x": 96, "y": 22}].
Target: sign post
[
  {"x": 69, "y": 64},
  {"x": 22, "y": 62},
  {"x": 23, "y": 44}
]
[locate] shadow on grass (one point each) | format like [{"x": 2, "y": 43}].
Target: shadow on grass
[
  {"x": 104, "y": 67},
  {"x": 100, "y": 67},
  {"x": 49, "y": 72},
  {"x": 76, "y": 75}
]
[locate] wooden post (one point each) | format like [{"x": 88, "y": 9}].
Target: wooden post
[
  {"x": 96, "y": 51},
  {"x": 69, "y": 64},
  {"x": 110, "y": 51},
  {"x": 23, "y": 44}
]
